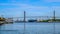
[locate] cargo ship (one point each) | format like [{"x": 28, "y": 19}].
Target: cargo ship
[{"x": 32, "y": 20}]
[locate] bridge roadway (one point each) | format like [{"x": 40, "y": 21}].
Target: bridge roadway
[{"x": 35, "y": 17}]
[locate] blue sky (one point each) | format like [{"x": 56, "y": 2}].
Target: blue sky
[{"x": 15, "y": 8}]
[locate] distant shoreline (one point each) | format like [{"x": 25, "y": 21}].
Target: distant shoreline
[{"x": 36, "y": 22}]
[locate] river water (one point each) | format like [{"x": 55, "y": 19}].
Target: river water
[{"x": 30, "y": 28}]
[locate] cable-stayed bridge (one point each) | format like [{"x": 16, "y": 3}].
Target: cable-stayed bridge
[{"x": 33, "y": 17}]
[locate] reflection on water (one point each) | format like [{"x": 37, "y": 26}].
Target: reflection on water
[{"x": 30, "y": 28}]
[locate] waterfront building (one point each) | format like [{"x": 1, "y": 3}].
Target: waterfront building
[{"x": 9, "y": 20}]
